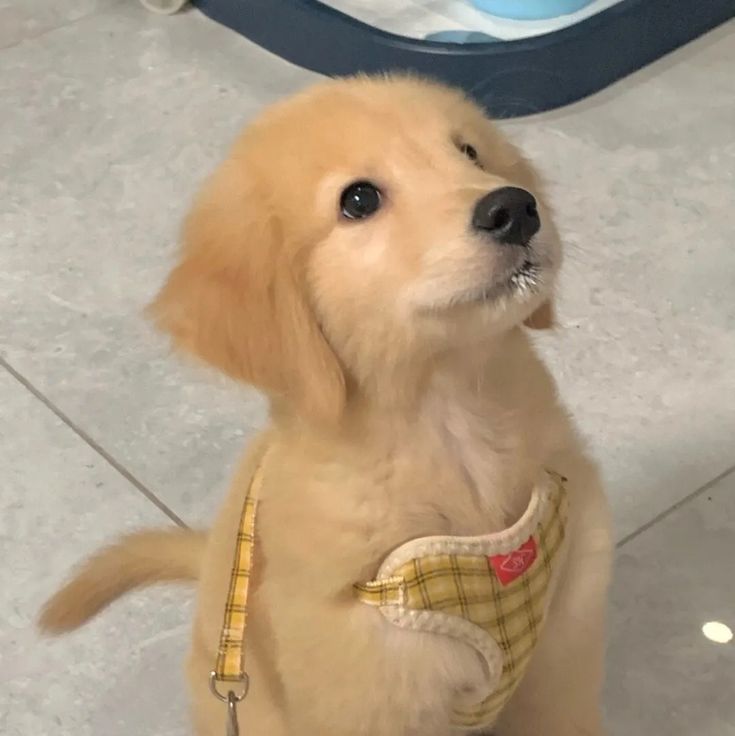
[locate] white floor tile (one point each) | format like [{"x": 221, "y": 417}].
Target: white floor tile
[
  {"x": 21, "y": 20},
  {"x": 112, "y": 124},
  {"x": 664, "y": 675},
  {"x": 59, "y": 502}
]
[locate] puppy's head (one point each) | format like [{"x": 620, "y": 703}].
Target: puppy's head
[{"x": 363, "y": 225}]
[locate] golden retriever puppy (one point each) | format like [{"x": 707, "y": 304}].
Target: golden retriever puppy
[{"x": 371, "y": 255}]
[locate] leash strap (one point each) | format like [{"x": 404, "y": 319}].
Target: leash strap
[{"x": 229, "y": 668}]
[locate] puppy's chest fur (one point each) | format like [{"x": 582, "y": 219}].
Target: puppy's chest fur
[
  {"x": 464, "y": 468},
  {"x": 463, "y": 464}
]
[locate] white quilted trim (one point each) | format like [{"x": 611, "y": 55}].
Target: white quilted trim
[
  {"x": 436, "y": 622},
  {"x": 497, "y": 543}
]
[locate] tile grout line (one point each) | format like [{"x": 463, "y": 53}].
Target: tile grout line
[
  {"x": 675, "y": 507},
  {"x": 121, "y": 469}
]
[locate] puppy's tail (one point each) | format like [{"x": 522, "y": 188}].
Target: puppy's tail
[{"x": 136, "y": 561}]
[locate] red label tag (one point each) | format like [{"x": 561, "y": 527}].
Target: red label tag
[{"x": 509, "y": 567}]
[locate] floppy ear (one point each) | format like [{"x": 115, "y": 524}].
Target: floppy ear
[
  {"x": 238, "y": 301},
  {"x": 543, "y": 318}
]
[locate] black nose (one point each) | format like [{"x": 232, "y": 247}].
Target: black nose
[{"x": 509, "y": 214}]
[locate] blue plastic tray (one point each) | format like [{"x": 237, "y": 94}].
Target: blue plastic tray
[{"x": 510, "y": 78}]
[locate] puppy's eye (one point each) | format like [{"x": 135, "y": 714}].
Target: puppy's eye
[
  {"x": 360, "y": 200},
  {"x": 469, "y": 151}
]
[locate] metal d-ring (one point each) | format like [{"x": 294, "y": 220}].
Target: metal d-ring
[
  {"x": 231, "y": 694},
  {"x": 232, "y": 699}
]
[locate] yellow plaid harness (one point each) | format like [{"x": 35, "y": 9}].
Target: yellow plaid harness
[{"x": 488, "y": 591}]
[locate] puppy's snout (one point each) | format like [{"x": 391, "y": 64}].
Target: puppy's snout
[{"x": 508, "y": 214}]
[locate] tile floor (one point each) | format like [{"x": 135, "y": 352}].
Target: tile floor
[{"x": 109, "y": 117}]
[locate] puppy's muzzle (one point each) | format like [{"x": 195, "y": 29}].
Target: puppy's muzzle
[{"x": 509, "y": 215}]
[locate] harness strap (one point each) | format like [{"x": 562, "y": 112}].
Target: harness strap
[{"x": 230, "y": 663}]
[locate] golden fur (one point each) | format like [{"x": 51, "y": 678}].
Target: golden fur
[{"x": 407, "y": 400}]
